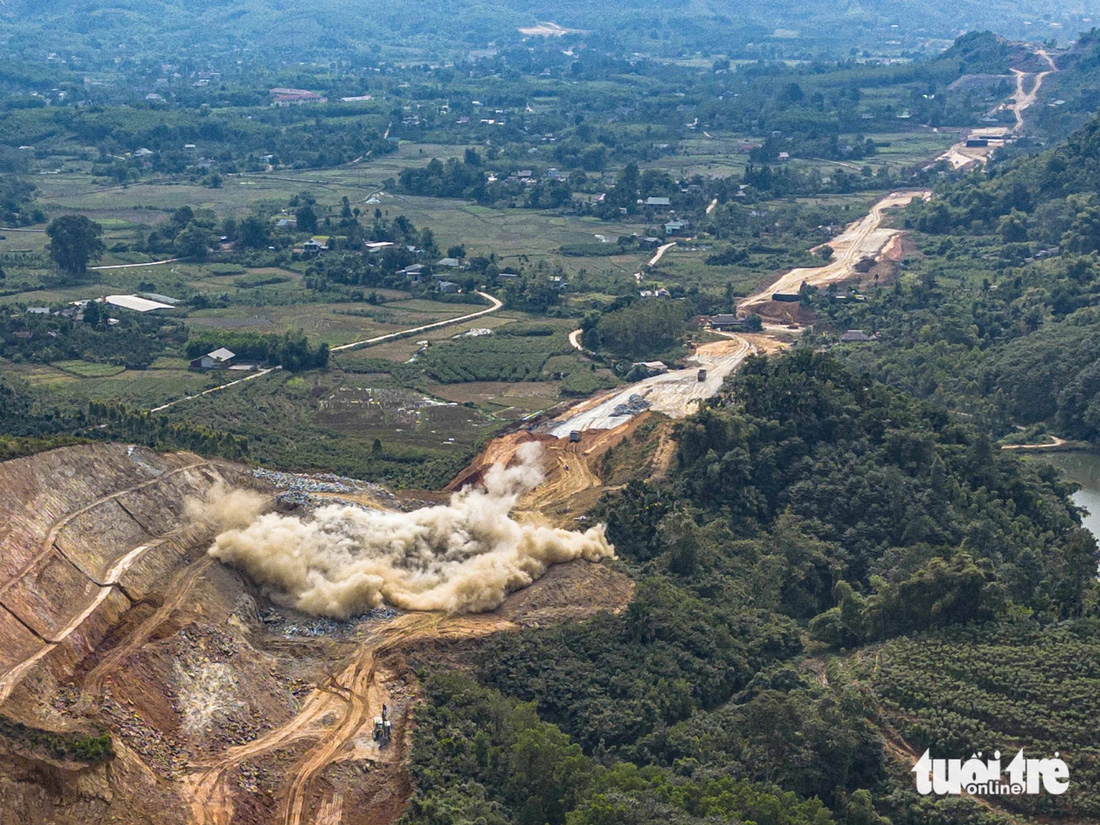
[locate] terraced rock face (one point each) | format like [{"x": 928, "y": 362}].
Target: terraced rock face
[
  {"x": 91, "y": 538},
  {"x": 218, "y": 706},
  {"x": 85, "y": 532}
]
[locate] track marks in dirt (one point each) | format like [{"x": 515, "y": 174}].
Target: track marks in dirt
[{"x": 91, "y": 694}]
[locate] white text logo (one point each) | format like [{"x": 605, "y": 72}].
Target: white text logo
[{"x": 978, "y": 778}]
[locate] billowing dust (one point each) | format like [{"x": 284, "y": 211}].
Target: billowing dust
[
  {"x": 461, "y": 557},
  {"x": 224, "y": 508}
]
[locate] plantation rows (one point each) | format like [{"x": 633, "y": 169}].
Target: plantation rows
[
  {"x": 978, "y": 690},
  {"x": 492, "y": 358}
]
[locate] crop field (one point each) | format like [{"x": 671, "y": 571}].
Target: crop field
[
  {"x": 331, "y": 421},
  {"x": 506, "y": 401},
  {"x": 87, "y": 369},
  {"x": 687, "y": 266},
  {"x": 509, "y": 233},
  {"x": 331, "y": 323},
  {"x": 402, "y": 349},
  {"x": 961, "y": 694},
  {"x": 492, "y": 358},
  {"x": 136, "y": 388}
]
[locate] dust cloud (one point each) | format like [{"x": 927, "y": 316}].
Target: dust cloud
[
  {"x": 461, "y": 557},
  {"x": 224, "y": 508}
]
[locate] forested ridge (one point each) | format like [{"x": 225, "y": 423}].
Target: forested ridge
[
  {"x": 812, "y": 513},
  {"x": 996, "y": 317}
]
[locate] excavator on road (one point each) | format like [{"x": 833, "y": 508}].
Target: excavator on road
[{"x": 383, "y": 728}]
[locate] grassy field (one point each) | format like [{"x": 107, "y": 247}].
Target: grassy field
[
  {"x": 86, "y": 369},
  {"x": 333, "y": 324},
  {"x": 166, "y": 380}
]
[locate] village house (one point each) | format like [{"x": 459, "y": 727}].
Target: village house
[
  {"x": 219, "y": 359},
  {"x": 726, "y": 322}
]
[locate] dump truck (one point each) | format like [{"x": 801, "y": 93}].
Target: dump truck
[
  {"x": 702, "y": 375},
  {"x": 574, "y": 436}
]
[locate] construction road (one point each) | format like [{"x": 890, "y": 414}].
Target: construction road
[
  {"x": 961, "y": 156},
  {"x": 675, "y": 393},
  {"x": 866, "y": 238}
]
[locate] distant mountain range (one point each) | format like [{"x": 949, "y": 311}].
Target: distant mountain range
[{"x": 446, "y": 27}]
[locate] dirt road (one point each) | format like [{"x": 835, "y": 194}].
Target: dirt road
[
  {"x": 353, "y": 698},
  {"x": 660, "y": 254},
  {"x": 961, "y": 156},
  {"x": 91, "y": 691},
  {"x": 496, "y": 304},
  {"x": 675, "y": 393},
  {"x": 11, "y": 679},
  {"x": 866, "y": 238}
]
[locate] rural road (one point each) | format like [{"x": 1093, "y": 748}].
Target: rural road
[
  {"x": 497, "y": 304},
  {"x": 134, "y": 266},
  {"x": 214, "y": 389},
  {"x": 864, "y": 238},
  {"x": 675, "y": 393},
  {"x": 660, "y": 253}
]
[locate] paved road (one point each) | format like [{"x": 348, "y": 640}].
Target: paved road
[
  {"x": 354, "y": 345},
  {"x": 218, "y": 388},
  {"x": 133, "y": 266}
]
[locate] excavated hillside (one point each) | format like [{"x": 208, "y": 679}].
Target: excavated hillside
[{"x": 141, "y": 681}]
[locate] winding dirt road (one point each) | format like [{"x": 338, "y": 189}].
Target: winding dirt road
[
  {"x": 354, "y": 698},
  {"x": 961, "y": 156}
]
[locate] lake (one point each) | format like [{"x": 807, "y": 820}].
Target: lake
[{"x": 1083, "y": 468}]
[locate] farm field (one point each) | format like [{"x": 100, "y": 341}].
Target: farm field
[{"x": 332, "y": 324}]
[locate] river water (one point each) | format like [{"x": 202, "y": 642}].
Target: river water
[{"x": 1083, "y": 468}]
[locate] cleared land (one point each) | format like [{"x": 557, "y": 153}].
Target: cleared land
[{"x": 865, "y": 238}]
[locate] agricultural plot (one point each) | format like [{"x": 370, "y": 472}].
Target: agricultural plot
[
  {"x": 87, "y": 369},
  {"x": 510, "y": 233},
  {"x": 329, "y": 323},
  {"x": 142, "y": 389},
  {"x": 493, "y": 357},
  {"x": 346, "y": 424},
  {"x": 506, "y": 401},
  {"x": 981, "y": 690}
]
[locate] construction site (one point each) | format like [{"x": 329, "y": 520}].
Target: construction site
[{"x": 144, "y": 680}]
